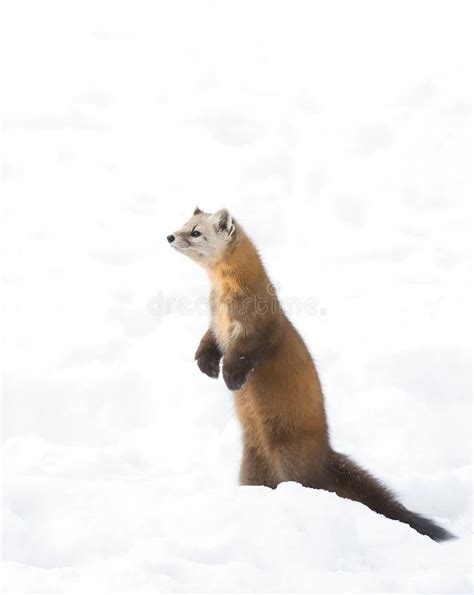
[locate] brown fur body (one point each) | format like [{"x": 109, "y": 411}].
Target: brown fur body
[
  {"x": 277, "y": 393},
  {"x": 280, "y": 406}
]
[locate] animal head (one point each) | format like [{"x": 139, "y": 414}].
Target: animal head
[{"x": 206, "y": 237}]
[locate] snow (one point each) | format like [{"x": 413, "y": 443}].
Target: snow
[{"x": 338, "y": 134}]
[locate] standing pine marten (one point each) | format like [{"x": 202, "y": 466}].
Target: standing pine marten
[{"x": 278, "y": 396}]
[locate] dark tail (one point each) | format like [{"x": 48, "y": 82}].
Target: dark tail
[{"x": 350, "y": 481}]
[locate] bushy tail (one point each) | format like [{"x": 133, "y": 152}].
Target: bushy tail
[{"x": 350, "y": 481}]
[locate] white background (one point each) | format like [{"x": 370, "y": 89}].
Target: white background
[{"x": 339, "y": 135}]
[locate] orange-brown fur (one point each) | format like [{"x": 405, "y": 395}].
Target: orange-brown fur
[
  {"x": 280, "y": 406},
  {"x": 277, "y": 393}
]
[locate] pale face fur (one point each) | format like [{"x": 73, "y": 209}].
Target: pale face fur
[{"x": 217, "y": 232}]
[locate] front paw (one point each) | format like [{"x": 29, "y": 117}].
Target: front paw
[
  {"x": 235, "y": 372},
  {"x": 208, "y": 363}
]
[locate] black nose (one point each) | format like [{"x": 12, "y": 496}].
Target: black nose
[{"x": 170, "y": 239}]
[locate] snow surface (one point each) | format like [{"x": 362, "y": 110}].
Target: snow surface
[{"x": 339, "y": 135}]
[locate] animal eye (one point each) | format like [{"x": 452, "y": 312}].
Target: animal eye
[{"x": 195, "y": 233}]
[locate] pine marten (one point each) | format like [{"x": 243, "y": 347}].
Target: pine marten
[{"x": 277, "y": 393}]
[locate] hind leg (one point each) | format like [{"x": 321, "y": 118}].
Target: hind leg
[
  {"x": 302, "y": 460},
  {"x": 255, "y": 470}
]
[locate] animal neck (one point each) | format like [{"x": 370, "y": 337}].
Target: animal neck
[{"x": 240, "y": 272}]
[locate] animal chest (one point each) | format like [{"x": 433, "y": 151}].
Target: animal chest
[{"x": 225, "y": 327}]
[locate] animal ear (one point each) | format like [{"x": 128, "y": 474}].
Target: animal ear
[
  {"x": 197, "y": 211},
  {"x": 222, "y": 221}
]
